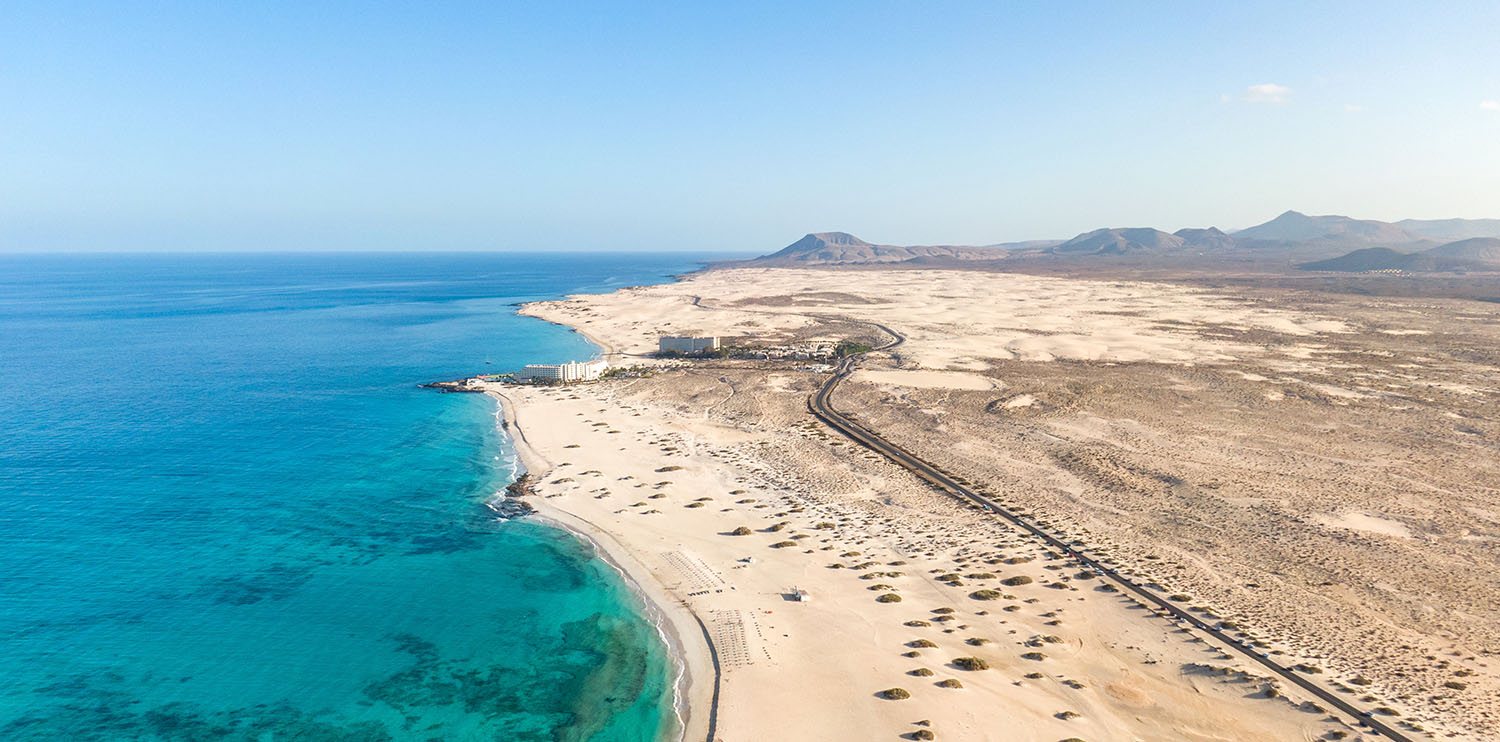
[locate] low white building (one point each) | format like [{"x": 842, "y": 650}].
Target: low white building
[
  {"x": 674, "y": 344},
  {"x": 564, "y": 372}
]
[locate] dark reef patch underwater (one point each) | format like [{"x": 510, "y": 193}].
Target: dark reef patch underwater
[{"x": 227, "y": 512}]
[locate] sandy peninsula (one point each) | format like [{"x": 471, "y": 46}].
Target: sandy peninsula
[{"x": 1167, "y": 426}]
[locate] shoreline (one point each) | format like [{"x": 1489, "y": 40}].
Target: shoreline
[
  {"x": 678, "y": 626},
  {"x": 746, "y": 470}
]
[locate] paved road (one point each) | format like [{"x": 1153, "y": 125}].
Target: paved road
[{"x": 820, "y": 406}]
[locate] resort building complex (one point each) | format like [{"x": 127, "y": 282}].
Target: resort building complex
[
  {"x": 571, "y": 371},
  {"x": 672, "y": 344}
]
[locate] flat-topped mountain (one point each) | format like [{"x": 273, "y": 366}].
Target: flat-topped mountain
[
  {"x": 842, "y": 248},
  {"x": 1480, "y": 253},
  {"x": 1451, "y": 229},
  {"x": 1294, "y": 226}
]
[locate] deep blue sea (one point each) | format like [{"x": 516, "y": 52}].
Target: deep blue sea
[{"x": 227, "y": 512}]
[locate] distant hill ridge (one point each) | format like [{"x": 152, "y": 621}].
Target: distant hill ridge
[
  {"x": 1126, "y": 240},
  {"x": 1452, "y": 229},
  {"x": 1292, "y": 233},
  {"x": 842, "y": 248},
  {"x": 1295, "y": 226},
  {"x": 1478, "y": 253}
]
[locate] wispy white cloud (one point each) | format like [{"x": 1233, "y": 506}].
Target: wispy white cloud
[
  {"x": 1267, "y": 93},
  {"x": 1351, "y": 108},
  {"x": 1489, "y": 105}
]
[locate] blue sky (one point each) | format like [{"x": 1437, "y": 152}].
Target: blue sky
[{"x": 219, "y": 126}]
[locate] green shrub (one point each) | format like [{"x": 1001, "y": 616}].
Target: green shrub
[
  {"x": 921, "y": 672},
  {"x": 921, "y": 644},
  {"x": 986, "y": 595},
  {"x": 741, "y": 531},
  {"x": 889, "y": 598},
  {"x": 783, "y": 544},
  {"x": 1017, "y": 580},
  {"x": 949, "y": 683},
  {"x": 895, "y": 694},
  {"x": 971, "y": 663}
]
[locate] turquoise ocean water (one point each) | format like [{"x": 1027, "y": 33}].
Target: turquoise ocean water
[{"x": 227, "y": 512}]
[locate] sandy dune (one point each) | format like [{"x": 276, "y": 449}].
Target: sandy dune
[{"x": 1257, "y": 454}]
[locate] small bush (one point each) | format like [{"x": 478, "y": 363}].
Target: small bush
[
  {"x": 670, "y": 468},
  {"x": 889, "y": 598},
  {"x": 693, "y": 505},
  {"x": 1017, "y": 580},
  {"x": 742, "y": 531},
  {"x": 971, "y": 663},
  {"x": 783, "y": 544},
  {"x": 1034, "y": 656},
  {"x": 921, "y": 672},
  {"x": 921, "y": 644},
  {"x": 922, "y": 734},
  {"x": 1455, "y": 685},
  {"x": 986, "y": 595},
  {"x": 942, "y": 610},
  {"x": 895, "y": 694},
  {"x": 975, "y": 641},
  {"x": 949, "y": 683}
]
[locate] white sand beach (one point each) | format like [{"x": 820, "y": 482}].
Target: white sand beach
[{"x": 664, "y": 471}]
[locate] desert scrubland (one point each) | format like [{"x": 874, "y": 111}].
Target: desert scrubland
[{"x": 1317, "y": 471}]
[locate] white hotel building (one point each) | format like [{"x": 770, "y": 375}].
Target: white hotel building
[{"x": 564, "y": 372}]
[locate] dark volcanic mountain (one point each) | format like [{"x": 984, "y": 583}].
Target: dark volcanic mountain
[
  {"x": 842, "y": 248},
  {"x": 1480, "y": 253},
  {"x": 1294, "y": 226},
  {"x": 1452, "y": 229},
  {"x": 1212, "y": 238},
  {"x": 1479, "y": 249},
  {"x": 1118, "y": 241},
  {"x": 1129, "y": 240},
  {"x": 1374, "y": 259}
]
